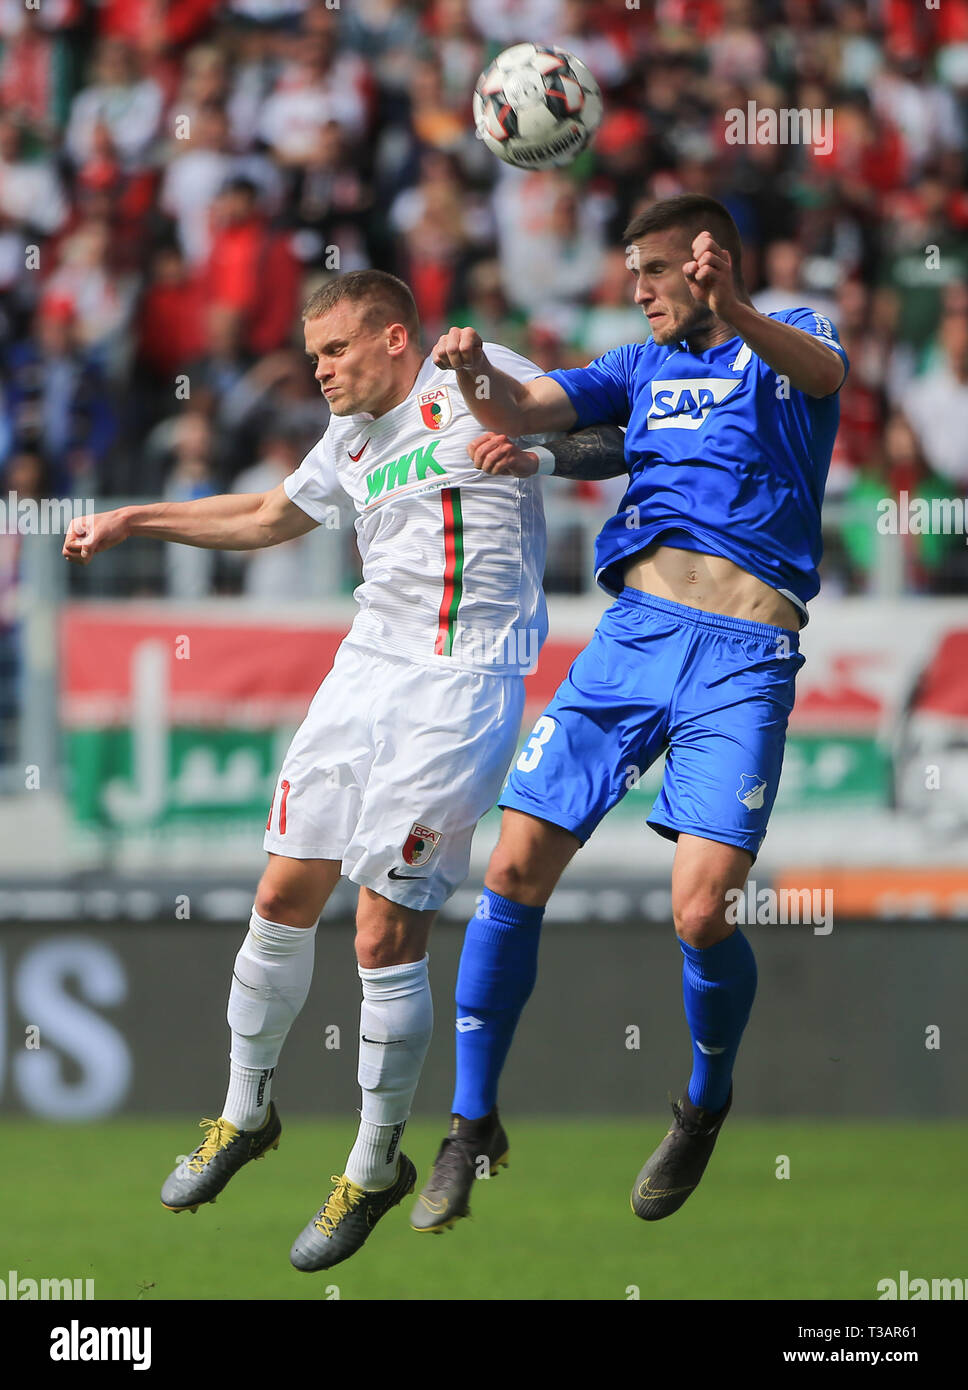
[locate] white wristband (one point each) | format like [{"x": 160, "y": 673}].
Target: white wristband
[{"x": 546, "y": 459}]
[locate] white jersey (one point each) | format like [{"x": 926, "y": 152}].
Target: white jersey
[{"x": 453, "y": 558}]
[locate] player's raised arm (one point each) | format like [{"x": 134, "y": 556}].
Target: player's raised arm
[
  {"x": 808, "y": 363},
  {"x": 245, "y": 521},
  {"x": 496, "y": 399},
  {"x": 591, "y": 454}
]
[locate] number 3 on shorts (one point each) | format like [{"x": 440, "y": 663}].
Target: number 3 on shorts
[{"x": 530, "y": 755}]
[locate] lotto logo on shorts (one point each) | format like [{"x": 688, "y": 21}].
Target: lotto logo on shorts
[{"x": 420, "y": 844}]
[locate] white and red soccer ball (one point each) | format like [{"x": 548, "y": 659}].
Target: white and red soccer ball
[{"x": 536, "y": 107}]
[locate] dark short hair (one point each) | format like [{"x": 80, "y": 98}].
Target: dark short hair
[
  {"x": 694, "y": 213},
  {"x": 388, "y": 299},
  {"x": 238, "y": 183}
]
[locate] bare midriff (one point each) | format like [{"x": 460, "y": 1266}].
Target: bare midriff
[{"x": 709, "y": 582}]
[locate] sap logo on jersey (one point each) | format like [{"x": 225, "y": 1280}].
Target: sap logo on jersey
[
  {"x": 435, "y": 408},
  {"x": 684, "y": 404}
]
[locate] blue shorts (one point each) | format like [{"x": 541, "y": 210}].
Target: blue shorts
[{"x": 715, "y": 692}]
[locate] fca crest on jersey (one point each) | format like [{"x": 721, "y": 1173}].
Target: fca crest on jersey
[{"x": 435, "y": 408}]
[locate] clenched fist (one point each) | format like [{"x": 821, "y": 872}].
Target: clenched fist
[
  {"x": 496, "y": 453},
  {"x": 710, "y": 276},
  {"x": 460, "y": 350},
  {"x": 87, "y": 536}
]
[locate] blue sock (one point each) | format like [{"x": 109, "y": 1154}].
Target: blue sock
[
  {"x": 498, "y": 968},
  {"x": 718, "y": 985}
]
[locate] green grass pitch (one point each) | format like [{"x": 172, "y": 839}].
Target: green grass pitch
[{"x": 862, "y": 1202}]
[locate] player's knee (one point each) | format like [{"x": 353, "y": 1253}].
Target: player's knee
[
  {"x": 700, "y": 919},
  {"x": 387, "y": 933},
  {"x": 272, "y": 903},
  {"x": 514, "y": 876},
  {"x": 375, "y": 949},
  {"x": 278, "y": 901}
]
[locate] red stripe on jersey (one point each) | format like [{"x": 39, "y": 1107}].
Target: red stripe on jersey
[
  {"x": 442, "y": 644},
  {"x": 282, "y": 808}
]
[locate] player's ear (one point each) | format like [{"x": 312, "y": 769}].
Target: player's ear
[{"x": 397, "y": 339}]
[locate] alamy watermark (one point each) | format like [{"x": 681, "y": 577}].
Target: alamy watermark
[
  {"x": 788, "y": 125},
  {"x": 77, "y": 1343},
  {"x": 17, "y": 1287},
  {"x": 771, "y": 907},
  {"x": 41, "y": 516},
  {"x": 904, "y": 1288},
  {"x": 922, "y": 516},
  {"x": 484, "y": 646}
]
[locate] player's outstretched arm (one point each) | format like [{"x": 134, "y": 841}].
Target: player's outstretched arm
[
  {"x": 243, "y": 521},
  {"x": 807, "y": 362},
  {"x": 598, "y": 452},
  {"x": 497, "y": 400}
]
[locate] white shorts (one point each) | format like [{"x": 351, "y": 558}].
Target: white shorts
[{"x": 391, "y": 770}]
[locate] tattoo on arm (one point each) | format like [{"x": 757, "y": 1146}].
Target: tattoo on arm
[{"x": 598, "y": 452}]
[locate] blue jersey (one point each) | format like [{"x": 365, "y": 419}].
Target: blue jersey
[{"x": 724, "y": 457}]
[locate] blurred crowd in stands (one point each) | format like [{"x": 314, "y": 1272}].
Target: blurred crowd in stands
[{"x": 176, "y": 177}]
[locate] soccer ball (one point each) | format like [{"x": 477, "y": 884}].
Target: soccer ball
[{"x": 536, "y": 107}]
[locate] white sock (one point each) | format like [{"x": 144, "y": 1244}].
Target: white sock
[
  {"x": 273, "y": 972},
  {"x": 396, "y": 1023},
  {"x": 247, "y": 1101}
]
